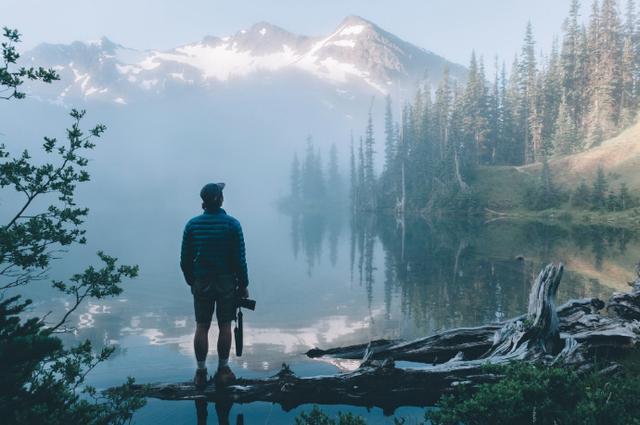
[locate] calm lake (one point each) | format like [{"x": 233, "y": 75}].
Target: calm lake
[{"x": 322, "y": 281}]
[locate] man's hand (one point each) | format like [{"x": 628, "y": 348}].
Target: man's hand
[{"x": 243, "y": 292}]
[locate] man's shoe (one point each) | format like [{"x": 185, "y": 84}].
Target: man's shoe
[
  {"x": 224, "y": 376},
  {"x": 200, "y": 380}
]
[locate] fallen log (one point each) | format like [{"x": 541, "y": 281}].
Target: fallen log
[
  {"x": 572, "y": 334},
  {"x": 627, "y": 305},
  {"x": 384, "y": 386},
  {"x": 470, "y": 343}
]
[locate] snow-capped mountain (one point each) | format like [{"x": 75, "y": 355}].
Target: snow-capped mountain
[{"x": 357, "y": 54}]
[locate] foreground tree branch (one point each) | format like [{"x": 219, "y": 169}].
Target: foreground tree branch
[{"x": 573, "y": 335}]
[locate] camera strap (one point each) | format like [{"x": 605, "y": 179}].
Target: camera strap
[{"x": 237, "y": 332}]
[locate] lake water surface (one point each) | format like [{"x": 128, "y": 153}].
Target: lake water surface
[{"x": 322, "y": 281}]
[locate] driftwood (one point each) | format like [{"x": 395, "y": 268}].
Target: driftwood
[
  {"x": 382, "y": 385},
  {"x": 572, "y": 334}
]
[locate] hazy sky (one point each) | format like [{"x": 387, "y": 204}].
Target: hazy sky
[{"x": 449, "y": 27}]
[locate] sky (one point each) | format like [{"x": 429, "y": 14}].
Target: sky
[{"x": 451, "y": 28}]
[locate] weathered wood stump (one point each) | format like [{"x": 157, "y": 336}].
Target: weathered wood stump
[{"x": 572, "y": 334}]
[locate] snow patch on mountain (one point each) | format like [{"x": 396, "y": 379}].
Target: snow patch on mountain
[
  {"x": 344, "y": 43},
  {"x": 226, "y": 61},
  {"x": 352, "y": 30}
]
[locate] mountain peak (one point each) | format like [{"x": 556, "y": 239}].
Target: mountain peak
[
  {"x": 354, "y": 25},
  {"x": 356, "y": 20},
  {"x": 103, "y": 43}
]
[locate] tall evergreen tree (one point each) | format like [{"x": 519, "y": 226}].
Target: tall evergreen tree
[
  {"x": 629, "y": 68},
  {"x": 494, "y": 117},
  {"x": 599, "y": 190},
  {"x": 605, "y": 80},
  {"x": 565, "y": 138},
  {"x": 369, "y": 170},
  {"x": 312, "y": 176},
  {"x": 475, "y": 114},
  {"x": 362, "y": 185},
  {"x": 515, "y": 117},
  {"x": 389, "y": 134},
  {"x": 551, "y": 97},
  {"x": 528, "y": 107},
  {"x": 569, "y": 63},
  {"x": 442, "y": 112},
  {"x": 353, "y": 188},
  {"x": 334, "y": 180},
  {"x": 295, "y": 179}
]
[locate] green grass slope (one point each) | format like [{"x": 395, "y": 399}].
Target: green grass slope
[{"x": 504, "y": 187}]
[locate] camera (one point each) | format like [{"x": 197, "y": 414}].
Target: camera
[{"x": 246, "y": 303}]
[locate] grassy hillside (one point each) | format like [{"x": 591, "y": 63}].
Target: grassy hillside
[
  {"x": 619, "y": 156},
  {"x": 504, "y": 187}
]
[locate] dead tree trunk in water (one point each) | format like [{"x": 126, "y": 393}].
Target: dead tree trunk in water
[{"x": 572, "y": 335}]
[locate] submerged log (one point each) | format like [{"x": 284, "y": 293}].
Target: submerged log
[{"x": 573, "y": 334}]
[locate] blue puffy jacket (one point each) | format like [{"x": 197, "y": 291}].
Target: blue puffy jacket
[{"x": 213, "y": 245}]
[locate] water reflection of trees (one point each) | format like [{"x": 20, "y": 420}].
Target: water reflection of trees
[
  {"x": 459, "y": 273},
  {"x": 310, "y": 230},
  {"x": 442, "y": 280}
]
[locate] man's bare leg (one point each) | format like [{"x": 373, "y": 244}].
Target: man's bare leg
[
  {"x": 201, "y": 342},
  {"x": 224, "y": 375},
  {"x": 224, "y": 343},
  {"x": 201, "y": 348}
]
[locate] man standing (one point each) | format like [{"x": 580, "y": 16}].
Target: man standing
[{"x": 214, "y": 265}]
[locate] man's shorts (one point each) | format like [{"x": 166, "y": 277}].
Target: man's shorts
[{"x": 214, "y": 292}]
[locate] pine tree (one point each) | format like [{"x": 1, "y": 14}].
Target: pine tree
[
  {"x": 353, "y": 189},
  {"x": 565, "y": 138},
  {"x": 599, "y": 191},
  {"x": 628, "y": 105},
  {"x": 390, "y": 140},
  {"x": 494, "y": 116},
  {"x": 515, "y": 117},
  {"x": 334, "y": 180},
  {"x": 529, "y": 110},
  {"x": 582, "y": 92},
  {"x": 442, "y": 112},
  {"x": 475, "y": 115},
  {"x": 312, "y": 176},
  {"x": 508, "y": 100},
  {"x": 295, "y": 179},
  {"x": 624, "y": 198},
  {"x": 581, "y": 197},
  {"x": 362, "y": 192},
  {"x": 369, "y": 171},
  {"x": 569, "y": 63},
  {"x": 612, "y": 201},
  {"x": 550, "y": 87},
  {"x": 605, "y": 52},
  {"x": 629, "y": 68}
]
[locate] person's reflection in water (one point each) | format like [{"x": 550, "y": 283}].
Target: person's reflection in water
[
  {"x": 201, "y": 411},
  {"x": 223, "y": 409}
]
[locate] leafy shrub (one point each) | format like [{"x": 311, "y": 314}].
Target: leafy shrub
[
  {"x": 534, "y": 394},
  {"x": 318, "y": 417}
]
